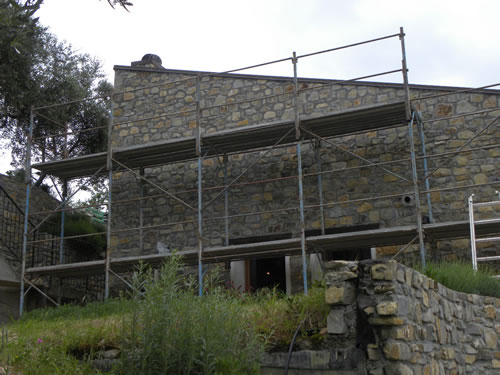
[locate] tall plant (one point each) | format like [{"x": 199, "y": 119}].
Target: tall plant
[{"x": 173, "y": 331}]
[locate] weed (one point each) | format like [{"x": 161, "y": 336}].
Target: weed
[
  {"x": 171, "y": 330},
  {"x": 461, "y": 277},
  {"x": 164, "y": 327}
]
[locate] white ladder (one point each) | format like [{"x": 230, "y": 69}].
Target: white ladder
[{"x": 472, "y": 224}]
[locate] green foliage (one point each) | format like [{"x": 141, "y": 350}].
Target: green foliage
[
  {"x": 277, "y": 317},
  {"x": 171, "y": 330},
  {"x": 39, "y": 70},
  {"x": 123, "y": 3},
  {"x": 42, "y": 342},
  {"x": 164, "y": 327},
  {"x": 19, "y": 30},
  {"x": 461, "y": 277},
  {"x": 79, "y": 224}
]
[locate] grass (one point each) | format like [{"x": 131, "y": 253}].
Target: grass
[
  {"x": 43, "y": 340},
  {"x": 164, "y": 327},
  {"x": 461, "y": 277}
]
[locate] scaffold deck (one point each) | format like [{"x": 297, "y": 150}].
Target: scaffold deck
[
  {"x": 242, "y": 139},
  {"x": 340, "y": 241}
]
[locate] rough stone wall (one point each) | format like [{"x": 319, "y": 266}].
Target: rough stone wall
[
  {"x": 9, "y": 303},
  {"x": 409, "y": 324},
  {"x": 224, "y": 106},
  {"x": 11, "y": 235},
  {"x": 12, "y": 219},
  {"x": 40, "y": 200}
]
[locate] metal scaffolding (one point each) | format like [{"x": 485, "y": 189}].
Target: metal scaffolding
[{"x": 318, "y": 131}]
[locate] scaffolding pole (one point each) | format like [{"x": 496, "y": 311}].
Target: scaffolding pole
[
  {"x": 300, "y": 177},
  {"x": 35, "y": 227},
  {"x": 472, "y": 229},
  {"x": 27, "y": 180},
  {"x": 317, "y": 154},
  {"x": 61, "y": 242},
  {"x": 426, "y": 168},
  {"x": 200, "y": 202},
  {"x": 411, "y": 117},
  {"x": 141, "y": 210},
  {"x": 109, "y": 166},
  {"x": 299, "y": 141},
  {"x": 226, "y": 202}
]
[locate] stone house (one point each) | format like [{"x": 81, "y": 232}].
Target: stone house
[{"x": 155, "y": 106}]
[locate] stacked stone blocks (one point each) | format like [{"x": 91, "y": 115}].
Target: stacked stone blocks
[
  {"x": 232, "y": 101},
  {"x": 415, "y": 325}
]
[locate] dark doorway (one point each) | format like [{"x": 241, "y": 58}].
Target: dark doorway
[{"x": 268, "y": 273}]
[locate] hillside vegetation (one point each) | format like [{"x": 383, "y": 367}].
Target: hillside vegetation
[{"x": 163, "y": 327}]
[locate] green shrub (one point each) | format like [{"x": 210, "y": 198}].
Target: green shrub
[
  {"x": 277, "y": 317},
  {"x": 79, "y": 224},
  {"x": 461, "y": 277},
  {"x": 164, "y": 327},
  {"x": 171, "y": 330},
  {"x": 45, "y": 341}
]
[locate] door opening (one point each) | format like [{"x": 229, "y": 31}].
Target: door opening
[{"x": 268, "y": 273}]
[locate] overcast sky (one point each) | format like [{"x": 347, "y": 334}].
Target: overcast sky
[{"x": 452, "y": 43}]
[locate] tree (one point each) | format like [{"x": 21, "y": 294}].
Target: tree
[
  {"x": 19, "y": 35},
  {"x": 41, "y": 71},
  {"x": 122, "y": 3}
]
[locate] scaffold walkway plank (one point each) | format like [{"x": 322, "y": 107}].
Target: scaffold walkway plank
[
  {"x": 340, "y": 241},
  {"x": 366, "y": 118},
  {"x": 79, "y": 269},
  {"x": 461, "y": 229}
]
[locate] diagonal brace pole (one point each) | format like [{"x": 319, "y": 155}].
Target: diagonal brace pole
[
  {"x": 405, "y": 247},
  {"x": 40, "y": 291},
  {"x": 71, "y": 196},
  {"x": 248, "y": 168},
  {"x": 352, "y": 153},
  {"x": 126, "y": 282},
  {"x": 478, "y": 133},
  {"x": 155, "y": 185}
]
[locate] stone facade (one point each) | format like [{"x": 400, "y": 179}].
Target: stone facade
[
  {"x": 406, "y": 323},
  {"x": 230, "y": 101}
]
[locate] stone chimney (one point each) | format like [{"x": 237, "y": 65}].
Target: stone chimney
[{"x": 149, "y": 60}]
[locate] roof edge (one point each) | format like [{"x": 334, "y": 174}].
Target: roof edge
[{"x": 305, "y": 79}]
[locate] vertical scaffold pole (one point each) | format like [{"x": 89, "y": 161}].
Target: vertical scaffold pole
[
  {"x": 410, "y": 118},
  {"x": 63, "y": 220},
  {"x": 472, "y": 228},
  {"x": 317, "y": 154},
  {"x": 27, "y": 180},
  {"x": 300, "y": 176},
  {"x": 426, "y": 167},
  {"x": 109, "y": 166},
  {"x": 198, "y": 153},
  {"x": 226, "y": 202},
  {"x": 61, "y": 240},
  {"x": 63, "y": 214},
  {"x": 141, "y": 211}
]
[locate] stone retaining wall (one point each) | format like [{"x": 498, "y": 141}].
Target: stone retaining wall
[{"x": 406, "y": 323}]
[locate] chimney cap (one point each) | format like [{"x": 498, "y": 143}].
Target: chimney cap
[{"x": 149, "y": 60}]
